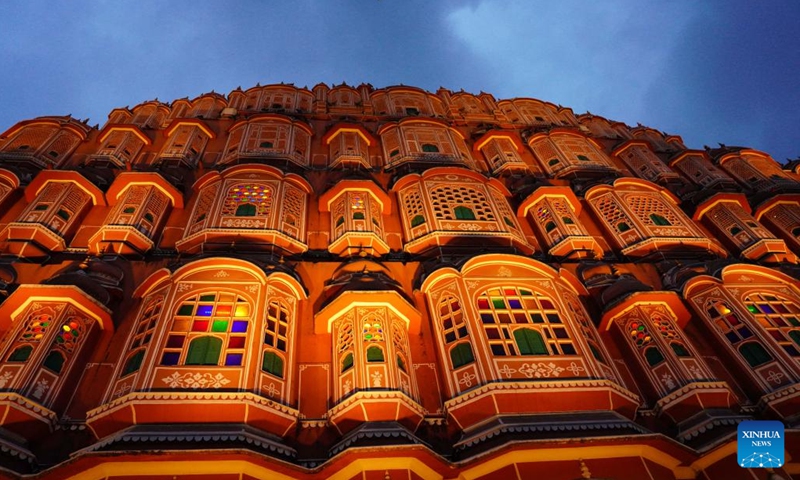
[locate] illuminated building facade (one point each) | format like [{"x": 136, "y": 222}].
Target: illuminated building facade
[{"x": 360, "y": 283}]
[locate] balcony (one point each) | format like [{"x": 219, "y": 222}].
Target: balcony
[{"x": 426, "y": 160}]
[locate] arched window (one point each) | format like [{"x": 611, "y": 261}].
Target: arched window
[
  {"x": 503, "y": 308},
  {"x": 430, "y": 148},
  {"x": 417, "y": 221},
  {"x": 272, "y": 364},
  {"x": 347, "y": 362},
  {"x": 641, "y": 339},
  {"x": 142, "y": 333},
  {"x": 464, "y": 213},
  {"x": 461, "y": 355},
  {"x": 375, "y": 354},
  {"x": 452, "y": 320},
  {"x": 754, "y": 353},
  {"x": 133, "y": 363},
  {"x": 248, "y": 200},
  {"x": 246, "y": 210},
  {"x": 449, "y": 200},
  {"x": 219, "y": 315},
  {"x": 529, "y": 342},
  {"x": 21, "y": 354},
  {"x": 204, "y": 351},
  {"x": 653, "y": 356},
  {"x": 54, "y": 361},
  {"x": 659, "y": 220},
  {"x": 778, "y": 315},
  {"x": 277, "y": 326}
]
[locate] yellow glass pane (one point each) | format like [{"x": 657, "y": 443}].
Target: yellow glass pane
[{"x": 242, "y": 311}]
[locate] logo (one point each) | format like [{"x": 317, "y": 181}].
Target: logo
[{"x": 760, "y": 444}]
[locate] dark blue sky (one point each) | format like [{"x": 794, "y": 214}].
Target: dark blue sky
[{"x": 713, "y": 71}]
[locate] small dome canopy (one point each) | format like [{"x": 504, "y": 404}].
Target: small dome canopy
[
  {"x": 236, "y": 269},
  {"x": 622, "y": 288},
  {"x": 81, "y": 129},
  {"x": 101, "y": 280},
  {"x": 359, "y": 283},
  {"x": 47, "y": 176}
]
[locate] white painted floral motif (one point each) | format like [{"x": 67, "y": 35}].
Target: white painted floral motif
[
  {"x": 668, "y": 381},
  {"x": 540, "y": 370},
  {"x": 469, "y": 226},
  {"x": 41, "y": 388},
  {"x": 507, "y": 371},
  {"x": 182, "y": 287},
  {"x": 195, "y": 380},
  {"x": 467, "y": 379},
  {"x": 377, "y": 379},
  {"x": 575, "y": 369},
  {"x": 122, "y": 390},
  {"x": 5, "y": 379},
  {"x": 347, "y": 387},
  {"x": 696, "y": 372},
  {"x": 775, "y": 377},
  {"x": 503, "y": 272},
  {"x": 271, "y": 390},
  {"x": 242, "y": 223},
  {"x": 222, "y": 274},
  {"x": 252, "y": 288}
]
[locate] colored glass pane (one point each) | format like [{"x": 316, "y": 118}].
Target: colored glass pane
[
  {"x": 200, "y": 326},
  {"x": 239, "y": 326},
  {"x": 208, "y": 298},
  {"x": 175, "y": 341},
  {"x": 185, "y": 310},
  {"x": 236, "y": 342},
  {"x": 223, "y": 310},
  {"x": 219, "y": 326},
  {"x": 204, "y": 310},
  {"x": 498, "y": 303},
  {"x": 242, "y": 311},
  {"x": 233, "y": 359},
  {"x": 170, "y": 358}
]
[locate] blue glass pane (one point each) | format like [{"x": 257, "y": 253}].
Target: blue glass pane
[
  {"x": 233, "y": 359},
  {"x": 487, "y": 318},
  {"x": 239, "y": 327},
  {"x": 732, "y": 337},
  {"x": 745, "y": 332},
  {"x": 766, "y": 308},
  {"x": 170, "y": 358},
  {"x": 204, "y": 310},
  {"x": 514, "y": 303}
]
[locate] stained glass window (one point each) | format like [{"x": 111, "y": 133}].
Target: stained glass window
[
  {"x": 671, "y": 335},
  {"x": 778, "y": 315},
  {"x": 452, "y": 319},
  {"x": 226, "y": 316},
  {"x": 143, "y": 333},
  {"x": 641, "y": 339},
  {"x": 69, "y": 334},
  {"x": 502, "y": 310},
  {"x": 373, "y": 332},
  {"x": 21, "y": 354},
  {"x": 248, "y": 200}
]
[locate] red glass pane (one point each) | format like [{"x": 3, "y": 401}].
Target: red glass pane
[
  {"x": 236, "y": 342},
  {"x": 200, "y": 326}
]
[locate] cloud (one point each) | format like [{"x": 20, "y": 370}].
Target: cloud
[{"x": 588, "y": 55}]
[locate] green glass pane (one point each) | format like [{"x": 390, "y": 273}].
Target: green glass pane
[
  {"x": 219, "y": 326},
  {"x": 185, "y": 310},
  {"x": 21, "y": 354},
  {"x": 653, "y": 356},
  {"x": 753, "y": 309},
  {"x": 208, "y": 298},
  {"x": 498, "y": 303},
  {"x": 347, "y": 363}
]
